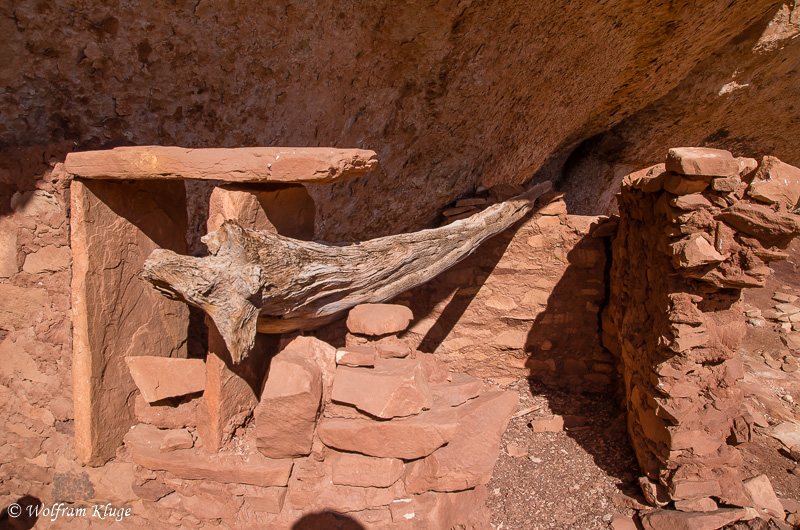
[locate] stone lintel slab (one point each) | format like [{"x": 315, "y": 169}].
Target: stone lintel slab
[{"x": 307, "y": 165}]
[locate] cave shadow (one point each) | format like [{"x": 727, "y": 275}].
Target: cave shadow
[
  {"x": 327, "y": 520},
  {"x": 571, "y": 369},
  {"x": 21, "y": 514},
  {"x": 22, "y": 167}
]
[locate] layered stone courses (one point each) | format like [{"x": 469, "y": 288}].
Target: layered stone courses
[
  {"x": 705, "y": 231},
  {"x": 399, "y": 443}
]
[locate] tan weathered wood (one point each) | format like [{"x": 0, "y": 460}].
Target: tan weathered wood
[
  {"x": 310, "y": 165},
  {"x": 259, "y": 281}
]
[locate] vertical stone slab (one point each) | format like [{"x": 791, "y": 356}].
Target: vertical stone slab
[
  {"x": 232, "y": 390},
  {"x": 114, "y": 227}
]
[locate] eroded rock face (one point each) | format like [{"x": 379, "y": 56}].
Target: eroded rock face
[
  {"x": 742, "y": 88},
  {"x": 457, "y": 82}
]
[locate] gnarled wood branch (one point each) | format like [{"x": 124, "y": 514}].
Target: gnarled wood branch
[{"x": 259, "y": 281}]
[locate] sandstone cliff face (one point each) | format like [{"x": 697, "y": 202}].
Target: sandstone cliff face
[
  {"x": 450, "y": 94},
  {"x": 742, "y": 98}
]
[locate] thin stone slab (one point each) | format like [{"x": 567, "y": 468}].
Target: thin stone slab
[
  {"x": 114, "y": 226},
  {"x": 468, "y": 460},
  {"x": 395, "y": 387},
  {"x": 162, "y": 377},
  {"x": 351, "y": 469},
  {"x": 406, "y": 438},
  {"x": 702, "y": 161},
  {"x": 320, "y": 165},
  {"x": 232, "y": 390},
  {"x": 194, "y": 464}
]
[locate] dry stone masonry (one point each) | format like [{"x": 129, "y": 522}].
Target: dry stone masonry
[
  {"x": 706, "y": 225},
  {"x": 392, "y": 442}
]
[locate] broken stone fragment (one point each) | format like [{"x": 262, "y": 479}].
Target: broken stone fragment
[
  {"x": 391, "y": 347},
  {"x": 680, "y": 185},
  {"x": 394, "y": 388},
  {"x": 742, "y": 430},
  {"x": 434, "y": 510},
  {"x": 648, "y": 180},
  {"x": 763, "y": 496},
  {"x": 350, "y": 469},
  {"x": 684, "y": 489},
  {"x": 705, "y": 504},
  {"x": 311, "y": 487},
  {"x": 776, "y": 182},
  {"x": 356, "y": 355},
  {"x": 460, "y": 389},
  {"x": 290, "y": 402},
  {"x": 726, "y": 184},
  {"x": 694, "y": 251},
  {"x": 787, "y": 309},
  {"x": 784, "y": 297},
  {"x": 675, "y": 520},
  {"x": 406, "y": 438},
  {"x": 436, "y": 369},
  {"x": 468, "y": 460},
  {"x": 164, "y": 377},
  {"x": 702, "y": 161},
  {"x": 787, "y": 432},
  {"x": 176, "y": 439},
  {"x": 548, "y": 424},
  {"x": 695, "y": 201},
  {"x": 378, "y": 319},
  {"x": 773, "y": 228}
]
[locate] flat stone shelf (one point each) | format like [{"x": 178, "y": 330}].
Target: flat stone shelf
[{"x": 308, "y": 165}]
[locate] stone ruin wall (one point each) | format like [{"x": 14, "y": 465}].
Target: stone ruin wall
[
  {"x": 40, "y": 450},
  {"x": 707, "y": 225}
]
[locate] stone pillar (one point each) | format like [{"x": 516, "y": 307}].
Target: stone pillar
[
  {"x": 692, "y": 234},
  {"x": 233, "y": 390}
]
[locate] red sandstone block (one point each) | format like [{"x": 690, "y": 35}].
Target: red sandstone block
[
  {"x": 378, "y": 319},
  {"x": 468, "y": 460},
  {"x": 350, "y": 469},
  {"x": 251, "y": 468},
  {"x": 164, "y": 377},
  {"x": 406, "y": 438},
  {"x": 290, "y": 403},
  {"x": 245, "y": 164},
  {"x": 702, "y": 161},
  {"x": 393, "y": 388},
  {"x": 356, "y": 356}
]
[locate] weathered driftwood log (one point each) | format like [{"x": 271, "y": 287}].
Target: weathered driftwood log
[{"x": 259, "y": 281}]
